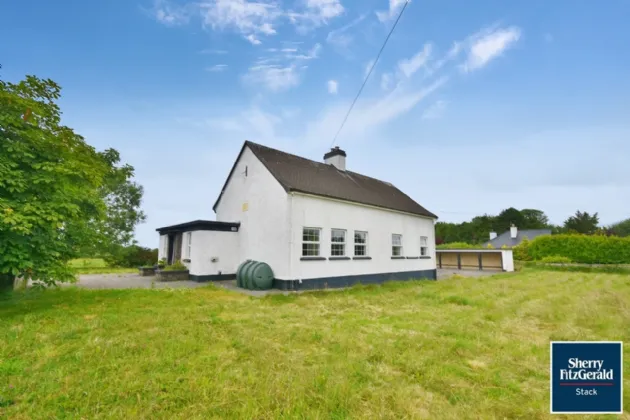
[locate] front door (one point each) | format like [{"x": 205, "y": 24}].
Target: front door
[{"x": 171, "y": 248}]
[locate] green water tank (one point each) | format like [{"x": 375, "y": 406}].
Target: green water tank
[
  {"x": 240, "y": 271},
  {"x": 259, "y": 276},
  {"x": 254, "y": 275}
]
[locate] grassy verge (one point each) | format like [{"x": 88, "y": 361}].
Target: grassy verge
[
  {"x": 97, "y": 266},
  {"x": 463, "y": 348}
]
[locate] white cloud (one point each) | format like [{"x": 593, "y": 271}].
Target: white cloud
[
  {"x": 488, "y": 45},
  {"x": 168, "y": 14},
  {"x": 394, "y": 8},
  {"x": 316, "y": 14},
  {"x": 368, "y": 67},
  {"x": 217, "y": 68},
  {"x": 386, "y": 81},
  {"x": 252, "y": 38},
  {"x": 274, "y": 77},
  {"x": 332, "y": 87},
  {"x": 326, "y": 9},
  {"x": 409, "y": 66},
  {"x": 247, "y": 17},
  {"x": 435, "y": 111},
  {"x": 340, "y": 38}
]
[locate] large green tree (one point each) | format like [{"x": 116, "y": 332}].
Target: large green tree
[
  {"x": 621, "y": 228},
  {"x": 582, "y": 222},
  {"x": 57, "y": 193}
]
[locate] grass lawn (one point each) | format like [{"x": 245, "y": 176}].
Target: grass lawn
[
  {"x": 97, "y": 266},
  {"x": 460, "y": 348}
]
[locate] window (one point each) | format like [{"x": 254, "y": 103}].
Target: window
[
  {"x": 187, "y": 245},
  {"x": 310, "y": 242},
  {"x": 397, "y": 249},
  {"x": 360, "y": 244},
  {"x": 338, "y": 243},
  {"x": 424, "y": 246}
]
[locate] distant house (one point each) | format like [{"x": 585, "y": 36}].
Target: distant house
[
  {"x": 514, "y": 237},
  {"x": 316, "y": 224}
]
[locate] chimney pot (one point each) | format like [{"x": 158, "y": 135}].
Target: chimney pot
[
  {"x": 493, "y": 235},
  {"x": 513, "y": 232}
]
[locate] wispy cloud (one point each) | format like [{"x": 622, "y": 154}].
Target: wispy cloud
[
  {"x": 170, "y": 15},
  {"x": 340, "y": 38},
  {"x": 386, "y": 81},
  {"x": 435, "y": 111},
  {"x": 253, "y": 40},
  {"x": 489, "y": 44},
  {"x": 217, "y": 68},
  {"x": 409, "y": 66},
  {"x": 316, "y": 13},
  {"x": 392, "y": 12},
  {"x": 333, "y": 87},
  {"x": 274, "y": 77},
  {"x": 213, "y": 51}
]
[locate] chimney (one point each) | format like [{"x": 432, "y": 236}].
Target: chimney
[
  {"x": 336, "y": 157},
  {"x": 513, "y": 232},
  {"x": 493, "y": 235}
]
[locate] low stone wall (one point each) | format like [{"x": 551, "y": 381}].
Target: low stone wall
[
  {"x": 172, "y": 275},
  {"x": 146, "y": 271}
]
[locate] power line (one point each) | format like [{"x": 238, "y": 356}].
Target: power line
[{"x": 370, "y": 72}]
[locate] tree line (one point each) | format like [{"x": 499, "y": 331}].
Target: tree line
[{"x": 477, "y": 230}]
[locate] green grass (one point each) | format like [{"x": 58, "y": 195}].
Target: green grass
[
  {"x": 97, "y": 266},
  {"x": 456, "y": 349}
]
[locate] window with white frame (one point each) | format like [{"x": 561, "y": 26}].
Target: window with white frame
[
  {"x": 187, "y": 243},
  {"x": 424, "y": 246},
  {"x": 337, "y": 243},
  {"x": 397, "y": 249},
  {"x": 360, "y": 244},
  {"x": 310, "y": 242}
]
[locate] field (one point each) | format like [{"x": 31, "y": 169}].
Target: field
[
  {"x": 97, "y": 266},
  {"x": 455, "y": 349}
]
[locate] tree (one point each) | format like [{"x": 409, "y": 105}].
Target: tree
[
  {"x": 55, "y": 189},
  {"x": 582, "y": 222},
  {"x": 507, "y": 218},
  {"x": 621, "y": 228},
  {"x": 534, "y": 219}
]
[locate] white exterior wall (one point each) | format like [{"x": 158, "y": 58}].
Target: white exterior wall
[
  {"x": 260, "y": 204},
  {"x": 207, "y": 245},
  {"x": 309, "y": 211},
  {"x": 508, "y": 259},
  {"x": 162, "y": 247}
]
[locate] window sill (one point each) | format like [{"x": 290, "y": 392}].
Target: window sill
[
  {"x": 426, "y": 257},
  {"x": 338, "y": 258},
  {"x": 362, "y": 258},
  {"x": 187, "y": 260},
  {"x": 313, "y": 259},
  {"x": 413, "y": 258},
  {"x": 398, "y": 258}
]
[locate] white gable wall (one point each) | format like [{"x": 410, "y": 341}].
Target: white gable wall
[
  {"x": 209, "y": 245},
  {"x": 260, "y": 204},
  {"x": 311, "y": 211}
]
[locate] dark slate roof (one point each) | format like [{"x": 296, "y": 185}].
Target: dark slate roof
[
  {"x": 298, "y": 174},
  {"x": 200, "y": 225},
  {"x": 505, "y": 239}
]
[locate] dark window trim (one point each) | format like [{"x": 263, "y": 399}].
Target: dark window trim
[
  {"x": 398, "y": 258},
  {"x": 413, "y": 258},
  {"x": 362, "y": 258},
  {"x": 339, "y": 258},
  {"x": 426, "y": 257},
  {"x": 313, "y": 259}
]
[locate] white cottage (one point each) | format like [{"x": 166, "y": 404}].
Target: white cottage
[{"x": 316, "y": 224}]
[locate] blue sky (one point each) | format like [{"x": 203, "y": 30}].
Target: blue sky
[{"x": 473, "y": 107}]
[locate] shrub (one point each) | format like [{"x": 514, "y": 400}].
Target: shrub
[
  {"x": 133, "y": 256},
  {"x": 556, "y": 259},
  {"x": 581, "y": 248},
  {"x": 521, "y": 251},
  {"x": 177, "y": 265}
]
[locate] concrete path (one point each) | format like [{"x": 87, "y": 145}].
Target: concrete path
[
  {"x": 129, "y": 281},
  {"x": 134, "y": 281}
]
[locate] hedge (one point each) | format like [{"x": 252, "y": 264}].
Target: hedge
[{"x": 581, "y": 248}]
